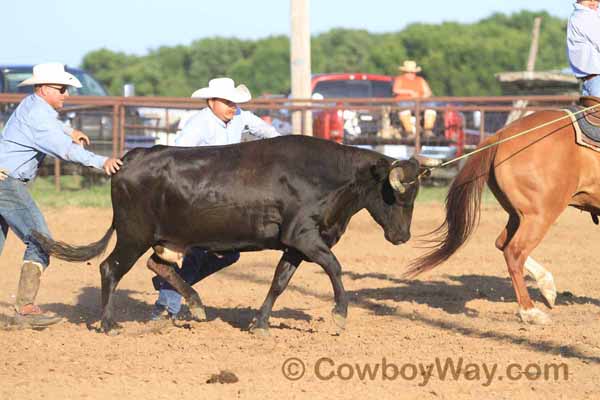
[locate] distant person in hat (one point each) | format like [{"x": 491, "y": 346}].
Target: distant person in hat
[
  {"x": 408, "y": 85},
  {"x": 583, "y": 45},
  {"x": 222, "y": 122},
  {"x": 32, "y": 132}
]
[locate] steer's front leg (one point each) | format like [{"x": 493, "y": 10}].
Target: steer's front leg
[
  {"x": 285, "y": 269},
  {"x": 314, "y": 248},
  {"x": 165, "y": 271}
]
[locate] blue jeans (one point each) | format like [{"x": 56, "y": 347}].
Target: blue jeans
[
  {"x": 197, "y": 265},
  {"x": 591, "y": 87},
  {"x": 19, "y": 212}
]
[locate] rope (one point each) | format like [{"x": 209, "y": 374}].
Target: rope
[{"x": 513, "y": 137}]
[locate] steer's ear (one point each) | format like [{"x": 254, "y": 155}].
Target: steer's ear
[{"x": 380, "y": 170}]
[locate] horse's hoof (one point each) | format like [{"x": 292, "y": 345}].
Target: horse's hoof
[
  {"x": 534, "y": 316},
  {"x": 198, "y": 313},
  {"x": 548, "y": 288},
  {"x": 340, "y": 321}
]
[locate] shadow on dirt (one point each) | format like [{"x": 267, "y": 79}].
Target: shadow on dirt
[
  {"x": 450, "y": 295},
  {"x": 452, "y": 298},
  {"x": 127, "y": 308}
]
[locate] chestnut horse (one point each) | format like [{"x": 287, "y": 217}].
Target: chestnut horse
[{"x": 534, "y": 176}]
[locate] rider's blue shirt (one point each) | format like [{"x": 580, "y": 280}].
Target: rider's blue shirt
[{"x": 583, "y": 41}]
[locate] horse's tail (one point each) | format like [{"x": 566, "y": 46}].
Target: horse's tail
[
  {"x": 67, "y": 252},
  {"x": 462, "y": 211}
]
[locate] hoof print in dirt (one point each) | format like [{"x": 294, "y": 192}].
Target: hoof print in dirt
[{"x": 223, "y": 377}]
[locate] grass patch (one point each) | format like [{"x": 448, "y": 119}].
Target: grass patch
[{"x": 72, "y": 193}]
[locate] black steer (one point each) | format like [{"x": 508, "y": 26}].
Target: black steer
[{"x": 292, "y": 193}]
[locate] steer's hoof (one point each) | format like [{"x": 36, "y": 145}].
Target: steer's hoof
[
  {"x": 258, "y": 330},
  {"x": 339, "y": 320},
  {"x": 548, "y": 289},
  {"x": 198, "y": 313},
  {"x": 110, "y": 328},
  {"x": 534, "y": 316},
  {"x": 114, "y": 332}
]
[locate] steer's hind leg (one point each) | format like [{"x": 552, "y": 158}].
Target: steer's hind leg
[
  {"x": 165, "y": 271},
  {"x": 283, "y": 273},
  {"x": 112, "y": 269}
]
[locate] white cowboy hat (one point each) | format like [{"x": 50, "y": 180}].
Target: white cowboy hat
[
  {"x": 409, "y": 66},
  {"x": 51, "y": 73},
  {"x": 224, "y": 88}
]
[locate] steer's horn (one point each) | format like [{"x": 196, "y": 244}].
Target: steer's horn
[
  {"x": 428, "y": 161},
  {"x": 395, "y": 178}
]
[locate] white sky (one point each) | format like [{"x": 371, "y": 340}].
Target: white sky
[{"x": 35, "y": 31}]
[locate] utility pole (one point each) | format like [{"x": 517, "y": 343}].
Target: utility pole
[
  {"x": 300, "y": 63},
  {"x": 533, "y": 50}
]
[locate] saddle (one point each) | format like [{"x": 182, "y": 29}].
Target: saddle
[
  {"x": 587, "y": 123},
  {"x": 592, "y": 116}
]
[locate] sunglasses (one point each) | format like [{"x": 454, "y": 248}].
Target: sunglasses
[{"x": 61, "y": 89}]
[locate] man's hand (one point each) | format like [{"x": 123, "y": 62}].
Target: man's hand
[
  {"x": 112, "y": 165},
  {"x": 3, "y": 174},
  {"x": 80, "y": 137}
]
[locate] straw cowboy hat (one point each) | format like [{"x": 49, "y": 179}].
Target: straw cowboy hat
[
  {"x": 224, "y": 88},
  {"x": 51, "y": 73},
  {"x": 409, "y": 66}
]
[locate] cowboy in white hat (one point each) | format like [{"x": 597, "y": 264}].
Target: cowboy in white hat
[
  {"x": 222, "y": 122},
  {"x": 409, "y": 85},
  {"x": 32, "y": 132}
]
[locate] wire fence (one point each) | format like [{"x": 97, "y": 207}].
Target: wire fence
[{"x": 117, "y": 124}]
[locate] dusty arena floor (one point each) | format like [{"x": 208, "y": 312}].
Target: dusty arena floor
[{"x": 403, "y": 338}]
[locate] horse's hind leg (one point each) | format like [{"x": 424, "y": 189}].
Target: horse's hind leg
[
  {"x": 528, "y": 235},
  {"x": 112, "y": 269},
  {"x": 543, "y": 277}
]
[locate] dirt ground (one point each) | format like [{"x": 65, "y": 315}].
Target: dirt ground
[{"x": 400, "y": 334}]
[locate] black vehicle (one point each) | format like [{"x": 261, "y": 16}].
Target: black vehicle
[
  {"x": 96, "y": 122},
  {"x": 12, "y": 75}
]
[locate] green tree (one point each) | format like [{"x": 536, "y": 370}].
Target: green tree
[{"x": 457, "y": 59}]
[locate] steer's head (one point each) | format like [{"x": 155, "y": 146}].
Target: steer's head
[{"x": 391, "y": 203}]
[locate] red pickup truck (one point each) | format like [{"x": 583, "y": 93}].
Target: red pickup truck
[{"x": 334, "y": 123}]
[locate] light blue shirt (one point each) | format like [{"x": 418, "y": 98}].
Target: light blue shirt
[
  {"x": 583, "y": 41},
  {"x": 34, "y": 131},
  {"x": 205, "y": 129}
]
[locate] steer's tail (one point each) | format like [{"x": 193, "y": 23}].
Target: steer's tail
[{"x": 67, "y": 252}]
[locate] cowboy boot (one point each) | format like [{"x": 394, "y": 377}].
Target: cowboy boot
[{"x": 27, "y": 313}]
